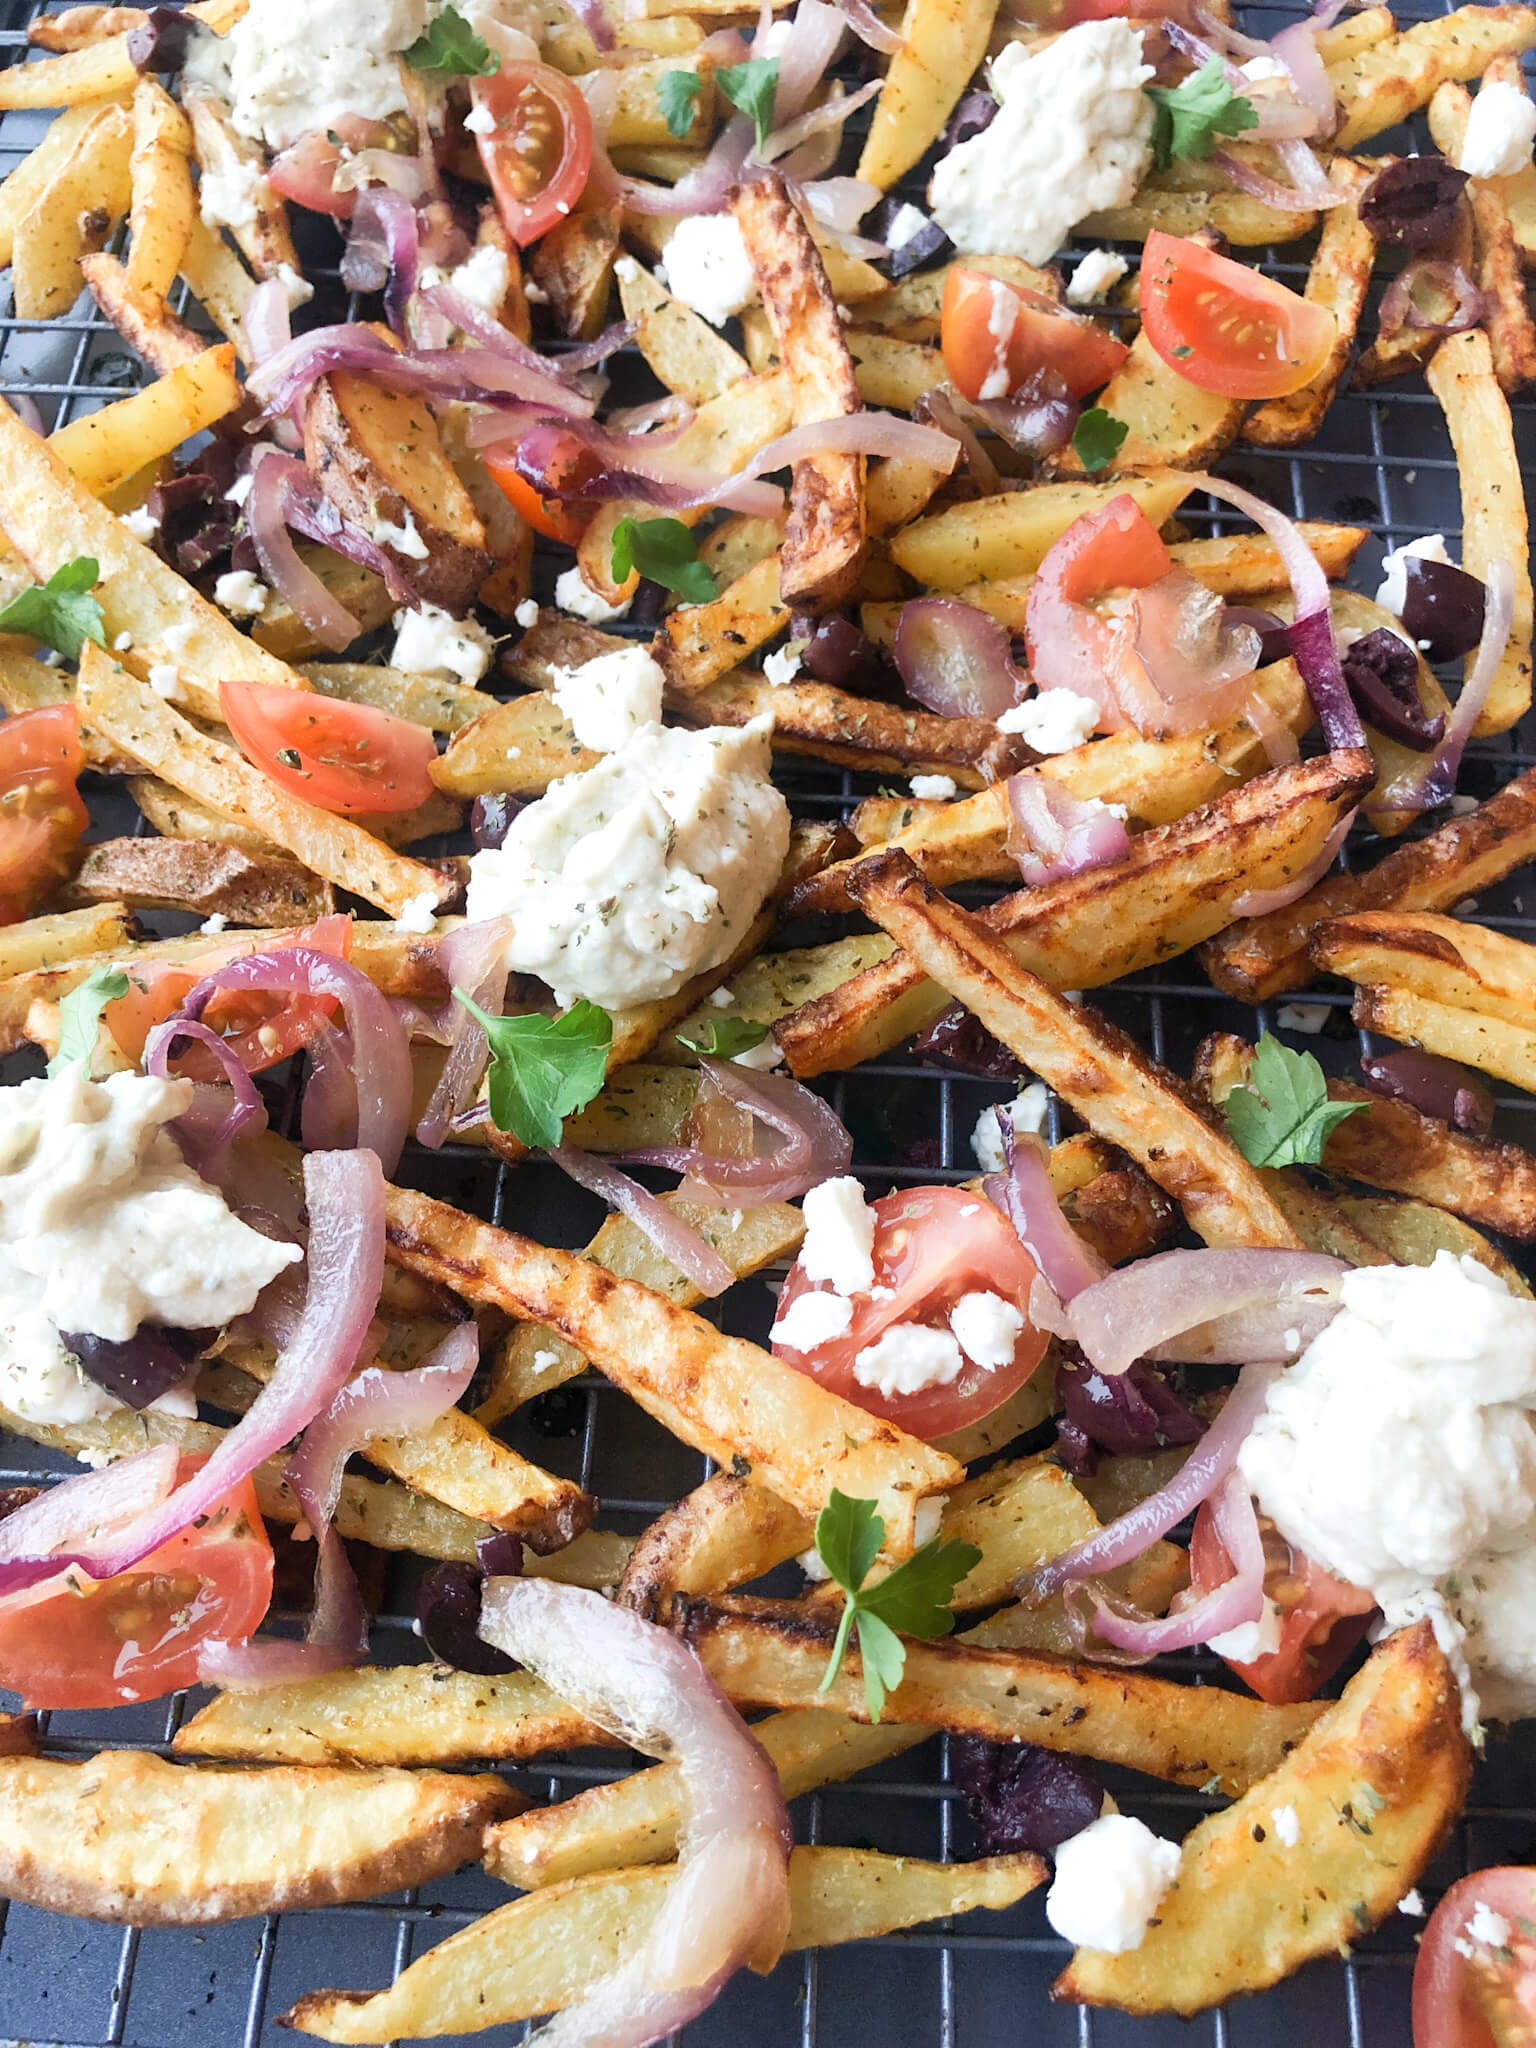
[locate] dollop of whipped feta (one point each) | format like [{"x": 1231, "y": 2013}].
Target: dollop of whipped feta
[
  {"x": 1072, "y": 135},
  {"x": 624, "y": 882},
  {"x": 1399, "y": 1451},
  {"x": 1109, "y": 1882}
]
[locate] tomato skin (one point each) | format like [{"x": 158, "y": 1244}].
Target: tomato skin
[
  {"x": 546, "y": 515},
  {"x": 1457, "y": 1998},
  {"x": 347, "y": 758},
  {"x": 1324, "y": 1616},
  {"x": 41, "y": 812},
  {"x": 1071, "y": 647},
  {"x": 931, "y": 1246},
  {"x": 994, "y": 334},
  {"x": 1226, "y": 328},
  {"x": 539, "y": 154},
  {"x": 72, "y": 1641}
]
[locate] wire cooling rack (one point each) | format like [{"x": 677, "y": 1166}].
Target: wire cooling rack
[{"x": 1385, "y": 463}]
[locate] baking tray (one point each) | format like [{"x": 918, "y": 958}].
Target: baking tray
[{"x": 979, "y": 1983}]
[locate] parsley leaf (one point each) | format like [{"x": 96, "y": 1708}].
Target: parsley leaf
[
  {"x": 80, "y": 1016},
  {"x": 723, "y": 1037},
  {"x": 62, "y": 613},
  {"x": 543, "y": 1069},
  {"x": 666, "y": 551},
  {"x": 451, "y": 49},
  {"x": 914, "y": 1598},
  {"x": 751, "y": 86},
  {"x": 1192, "y": 114},
  {"x": 678, "y": 92},
  {"x": 1281, "y": 1115},
  {"x": 1098, "y": 438}
]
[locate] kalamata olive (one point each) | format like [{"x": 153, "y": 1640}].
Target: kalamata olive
[
  {"x": 1414, "y": 201},
  {"x": 164, "y": 42},
  {"x": 1023, "y": 1797},
  {"x": 139, "y": 1371},
  {"x": 1443, "y": 607},
  {"x": 975, "y": 113},
  {"x": 906, "y": 230},
  {"x": 1127, "y": 1413},
  {"x": 836, "y": 652},
  {"x": 1382, "y": 672},
  {"x": 448, "y": 1608},
  {"x": 959, "y": 1039},
  {"x": 491, "y": 820},
  {"x": 647, "y": 604},
  {"x": 500, "y": 1556},
  {"x": 1434, "y": 1086}
]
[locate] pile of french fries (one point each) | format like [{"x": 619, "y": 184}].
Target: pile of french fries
[{"x": 335, "y": 1788}]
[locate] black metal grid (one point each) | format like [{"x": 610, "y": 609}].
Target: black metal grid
[{"x": 72, "y": 1984}]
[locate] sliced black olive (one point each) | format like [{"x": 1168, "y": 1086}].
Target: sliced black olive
[
  {"x": 1443, "y": 608},
  {"x": 164, "y": 42},
  {"x": 923, "y": 244},
  {"x": 150, "y": 1363},
  {"x": 836, "y": 652},
  {"x": 448, "y": 1608},
  {"x": 1414, "y": 201},
  {"x": 1382, "y": 672},
  {"x": 959, "y": 1039},
  {"x": 490, "y": 820},
  {"x": 972, "y": 117}
]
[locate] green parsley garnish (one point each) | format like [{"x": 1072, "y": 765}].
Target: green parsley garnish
[
  {"x": 723, "y": 1037},
  {"x": 678, "y": 92},
  {"x": 751, "y": 86},
  {"x": 914, "y": 1598},
  {"x": 1281, "y": 1115},
  {"x": 63, "y": 612},
  {"x": 1191, "y": 115},
  {"x": 666, "y": 551},
  {"x": 451, "y": 49},
  {"x": 80, "y": 1016},
  {"x": 543, "y": 1069},
  {"x": 1098, "y": 438}
]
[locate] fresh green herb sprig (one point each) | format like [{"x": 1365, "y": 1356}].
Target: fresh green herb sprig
[
  {"x": 722, "y": 1038},
  {"x": 80, "y": 1016},
  {"x": 667, "y": 552},
  {"x": 1098, "y": 438},
  {"x": 1190, "y": 116},
  {"x": 452, "y": 49},
  {"x": 543, "y": 1069},
  {"x": 678, "y": 92},
  {"x": 751, "y": 87},
  {"x": 1281, "y": 1115},
  {"x": 63, "y": 612}
]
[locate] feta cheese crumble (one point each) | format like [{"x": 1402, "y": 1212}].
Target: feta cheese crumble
[
  {"x": 813, "y": 1319},
  {"x": 839, "y": 1236},
  {"x": 610, "y": 700},
  {"x": 909, "y": 1358},
  {"x": 1072, "y": 136},
  {"x": 141, "y": 523},
  {"x": 574, "y": 594},
  {"x": 1500, "y": 130},
  {"x": 1393, "y": 594},
  {"x": 527, "y": 613},
  {"x": 1109, "y": 1882},
  {"x": 165, "y": 680},
  {"x": 283, "y": 70},
  {"x": 934, "y": 788},
  {"x": 1027, "y": 1113},
  {"x": 1250, "y": 1639},
  {"x": 1052, "y": 721},
  {"x": 241, "y": 594},
  {"x": 986, "y": 1328},
  {"x": 782, "y": 666},
  {"x": 906, "y": 223},
  {"x": 420, "y": 914},
  {"x": 430, "y": 641},
  {"x": 1098, "y": 273},
  {"x": 706, "y": 265},
  {"x": 405, "y": 539},
  {"x": 480, "y": 121},
  {"x": 1286, "y": 1825}
]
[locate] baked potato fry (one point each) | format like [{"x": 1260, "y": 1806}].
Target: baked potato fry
[
  {"x": 1506, "y": 315},
  {"x": 943, "y": 41},
  {"x": 164, "y": 203},
  {"x": 1011, "y": 534},
  {"x": 145, "y": 322},
  {"x": 73, "y": 215},
  {"x": 1375, "y": 1787},
  {"x": 40, "y": 942},
  {"x": 1517, "y": 195},
  {"x": 219, "y": 281},
  {"x": 1245, "y": 223},
  {"x": 1383, "y": 84},
  {"x": 128, "y": 1838},
  {"x": 722, "y": 1535},
  {"x": 682, "y": 348},
  {"x": 1414, "y": 1233},
  {"x": 1171, "y": 423},
  {"x": 425, "y": 700},
  {"x": 543, "y": 1952},
  {"x": 1338, "y": 278},
  {"x": 21, "y": 188},
  {"x": 263, "y": 233},
  {"x": 1494, "y": 1044},
  {"x": 1447, "y": 960},
  {"x": 201, "y": 876},
  {"x": 104, "y": 449},
  {"x": 77, "y": 28}
]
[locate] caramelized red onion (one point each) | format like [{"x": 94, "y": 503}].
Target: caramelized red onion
[
  {"x": 443, "y": 375},
  {"x": 1436, "y": 784},
  {"x": 1260, "y": 902},
  {"x": 728, "y": 1903},
  {"x": 60, "y": 1525},
  {"x": 829, "y": 116},
  {"x": 677, "y": 1241},
  {"x": 266, "y": 515},
  {"x": 1463, "y": 300},
  {"x": 1434, "y": 1086},
  {"x": 869, "y": 28},
  {"x": 1053, "y": 834},
  {"x": 1196, "y": 1619},
  {"x": 1230, "y": 1307},
  {"x": 213, "y": 1123},
  {"x": 1308, "y": 192},
  {"x": 630, "y": 466},
  {"x": 1281, "y": 746},
  {"x": 1296, "y": 48},
  {"x": 816, "y": 1147},
  {"x": 1025, "y": 1196},
  {"x": 473, "y": 958},
  {"x": 1184, "y": 661},
  {"x": 956, "y": 660}
]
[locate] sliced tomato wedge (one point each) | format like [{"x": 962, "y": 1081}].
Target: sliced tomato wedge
[
  {"x": 932, "y": 1245},
  {"x": 74, "y": 1641},
  {"x": 539, "y": 153},
  {"x": 1474, "y": 1985},
  {"x": 347, "y": 758},
  {"x": 41, "y": 812},
  {"x": 995, "y": 336},
  {"x": 1070, "y": 646},
  {"x": 569, "y": 463},
  {"x": 1227, "y": 328},
  {"x": 1323, "y": 1617}
]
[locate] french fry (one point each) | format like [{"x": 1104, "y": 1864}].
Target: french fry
[
  {"x": 911, "y": 309},
  {"x": 541, "y": 1953},
  {"x": 1414, "y": 1233},
  {"x": 424, "y": 700},
  {"x": 1445, "y": 959},
  {"x": 145, "y": 322},
  {"x": 41, "y": 942},
  {"x": 262, "y": 234},
  {"x": 219, "y": 281},
  {"x": 104, "y": 449},
  {"x": 77, "y": 28},
  {"x": 723, "y": 1534},
  {"x": 1338, "y": 279},
  {"x": 697, "y": 644},
  {"x": 721, "y": 1394},
  {"x": 1506, "y": 316},
  {"x": 1245, "y": 223},
  {"x": 1382, "y": 85},
  {"x": 1011, "y": 534},
  {"x": 1117, "y": 1090},
  {"x": 825, "y": 537},
  {"x": 24, "y": 186},
  {"x": 212, "y": 880},
  {"x": 74, "y": 213},
  {"x": 1375, "y": 1787},
  {"x": 1499, "y": 1047},
  {"x": 1171, "y": 423},
  {"x": 163, "y": 200},
  {"x": 682, "y": 348},
  {"x": 942, "y": 42},
  {"x": 1517, "y": 194}
]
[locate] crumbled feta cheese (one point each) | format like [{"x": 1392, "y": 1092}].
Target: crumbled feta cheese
[
  {"x": 1307, "y": 1017},
  {"x": 1002, "y": 318},
  {"x": 839, "y": 1236},
  {"x": 242, "y": 487},
  {"x": 527, "y": 613},
  {"x": 227, "y": 195},
  {"x": 934, "y": 788},
  {"x": 420, "y": 914},
  {"x": 241, "y": 594},
  {"x": 721, "y": 999},
  {"x": 1250, "y": 1639},
  {"x": 909, "y": 1358},
  {"x": 1098, "y": 272},
  {"x": 299, "y": 289},
  {"x": 1286, "y": 1824},
  {"x": 762, "y": 1057},
  {"x": 1027, "y": 1112},
  {"x": 1412, "y": 1903},
  {"x": 1393, "y": 594},
  {"x": 926, "y": 1518},
  {"x": 212, "y": 926},
  {"x": 480, "y": 121},
  {"x": 810, "y": 1563},
  {"x": 545, "y": 1361},
  {"x": 1500, "y": 130},
  {"x": 534, "y": 292},
  {"x": 1109, "y": 1882},
  {"x": 986, "y": 1328},
  {"x": 1072, "y": 136},
  {"x": 122, "y": 643},
  {"x": 1258, "y": 68},
  {"x": 782, "y": 666},
  {"x": 284, "y": 70},
  {"x": 165, "y": 681},
  {"x": 429, "y": 640},
  {"x": 813, "y": 1319},
  {"x": 609, "y": 700},
  {"x": 405, "y": 540},
  {"x": 141, "y": 523},
  {"x": 485, "y": 279},
  {"x": 625, "y": 881},
  {"x": 708, "y": 268},
  {"x": 1052, "y": 721},
  {"x": 1486, "y": 1927},
  {"x": 177, "y": 640},
  {"x": 574, "y": 594}
]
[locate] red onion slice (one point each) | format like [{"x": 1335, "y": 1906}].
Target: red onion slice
[
  {"x": 1259, "y": 902},
  {"x": 956, "y": 660},
  {"x": 729, "y": 1901},
  {"x": 445, "y": 375},
  {"x": 633, "y": 466},
  {"x": 1400, "y": 308},
  {"x": 1025, "y": 1196},
  {"x": 1181, "y": 662},
  {"x": 267, "y": 324},
  {"x": 474, "y": 958},
  {"x": 1309, "y": 191},
  {"x": 1143, "y": 1525},
  {"x": 1436, "y": 783},
  {"x": 1281, "y": 747},
  {"x": 705, "y": 190},
  {"x": 816, "y": 1148},
  {"x": 869, "y": 28},
  {"x": 830, "y": 115},
  {"x": 67, "y": 1522},
  {"x": 266, "y": 518},
  {"x": 1296, "y": 48},
  {"x": 672, "y": 1237},
  {"x": 212, "y": 1125},
  {"x": 1053, "y": 834},
  {"x": 1235, "y": 1601},
  {"x": 815, "y": 36},
  {"x": 856, "y": 433},
  {"x": 1144, "y": 1309}
]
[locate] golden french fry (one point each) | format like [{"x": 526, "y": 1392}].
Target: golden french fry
[
  {"x": 163, "y": 200},
  {"x": 1338, "y": 279},
  {"x": 1011, "y": 534},
  {"x": 943, "y": 41},
  {"x": 74, "y": 213},
  {"x": 1383, "y": 84},
  {"x": 1172, "y": 424},
  {"x": 104, "y": 449},
  {"x": 682, "y": 348}
]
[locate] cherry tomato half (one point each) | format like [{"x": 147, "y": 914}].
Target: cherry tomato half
[
  {"x": 1323, "y": 1617},
  {"x": 1070, "y": 646},
  {"x": 340, "y": 757},
  {"x": 1485, "y": 1998},
  {"x": 41, "y": 813},
  {"x": 1225, "y": 327},
  {"x": 568, "y": 462},
  {"x": 539, "y": 153},
  {"x": 995, "y": 335}
]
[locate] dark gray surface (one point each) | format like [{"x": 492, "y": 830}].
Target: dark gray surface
[{"x": 984, "y": 1983}]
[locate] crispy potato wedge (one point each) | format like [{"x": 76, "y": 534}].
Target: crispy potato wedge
[
  {"x": 160, "y": 171},
  {"x": 573, "y": 265},
  {"x": 1178, "y": 884},
  {"x": 910, "y": 309},
  {"x": 202, "y": 876},
  {"x": 98, "y": 70},
  {"x": 74, "y": 214},
  {"x": 389, "y": 1715},
  {"x": 40, "y": 942},
  {"x": 146, "y": 323},
  {"x": 128, "y": 1838},
  {"x": 1172, "y": 424},
  {"x": 425, "y": 700},
  {"x": 521, "y": 747},
  {"x": 1338, "y": 279},
  {"x": 697, "y": 644},
  {"x": 718, "y": 1393},
  {"x": 1499, "y": 1047},
  {"x": 774, "y": 1652},
  {"x": 540, "y": 1953},
  {"x": 722, "y": 1535},
  {"x": 1383, "y": 84},
  {"x": 104, "y": 449},
  {"x": 768, "y": 988},
  {"x": 1506, "y": 315},
  {"x": 1246, "y": 223},
  {"x": 1375, "y": 1786},
  {"x": 943, "y": 41},
  {"x": 825, "y": 537},
  {"x": 1493, "y": 516},
  {"x": 1112, "y": 1084},
  {"x": 1011, "y": 534},
  {"x": 264, "y": 235},
  {"x": 25, "y": 185},
  {"x": 77, "y": 28},
  {"x": 1445, "y": 959},
  {"x": 1412, "y": 1233},
  {"x": 219, "y": 281},
  {"x": 682, "y": 348}
]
